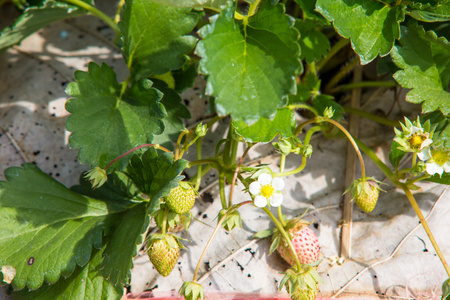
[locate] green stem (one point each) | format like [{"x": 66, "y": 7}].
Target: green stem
[
  {"x": 223, "y": 198},
  {"x": 177, "y": 146},
  {"x": 303, "y": 164},
  {"x": 235, "y": 175},
  {"x": 211, "y": 161},
  {"x": 425, "y": 226},
  {"x": 284, "y": 234},
  {"x": 164, "y": 225},
  {"x": 335, "y": 49},
  {"x": 280, "y": 213},
  {"x": 363, "y": 84},
  {"x": 372, "y": 117},
  {"x": 156, "y": 146},
  {"x": 97, "y": 13},
  {"x": 352, "y": 141},
  {"x": 199, "y": 167},
  {"x": 214, "y": 233},
  {"x": 118, "y": 11},
  {"x": 414, "y": 160},
  {"x": 304, "y": 106},
  {"x": 383, "y": 167},
  {"x": 342, "y": 73}
]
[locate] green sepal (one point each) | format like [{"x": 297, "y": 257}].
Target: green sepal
[
  {"x": 446, "y": 290},
  {"x": 263, "y": 234},
  {"x": 232, "y": 220},
  {"x": 191, "y": 291}
]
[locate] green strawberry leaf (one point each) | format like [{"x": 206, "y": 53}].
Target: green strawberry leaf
[
  {"x": 446, "y": 290},
  {"x": 155, "y": 38},
  {"x": 123, "y": 245},
  {"x": 429, "y": 13},
  {"x": 107, "y": 122},
  {"x": 371, "y": 26},
  {"x": 444, "y": 179},
  {"x": 309, "y": 11},
  {"x": 266, "y": 130},
  {"x": 176, "y": 111},
  {"x": 85, "y": 283},
  {"x": 47, "y": 229},
  {"x": 155, "y": 174},
  {"x": 441, "y": 125},
  {"x": 314, "y": 44},
  {"x": 251, "y": 62},
  {"x": 36, "y": 17},
  {"x": 396, "y": 155},
  {"x": 425, "y": 62}
]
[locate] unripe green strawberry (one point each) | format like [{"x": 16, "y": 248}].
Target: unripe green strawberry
[
  {"x": 163, "y": 251},
  {"x": 365, "y": 192},
  {"x": 181, "y": 199},
  {"x": 303, "y": 293},
  {"x": 305, "y": 243}
]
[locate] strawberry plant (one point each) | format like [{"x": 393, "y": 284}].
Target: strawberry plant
[{"x": 276, "y": 72}]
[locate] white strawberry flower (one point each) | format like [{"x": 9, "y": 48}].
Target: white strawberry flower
[
  {"x": 436, "y": 161},
  {"x": 267, "y": 190}
]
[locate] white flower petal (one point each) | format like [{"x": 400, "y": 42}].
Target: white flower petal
[
  {"x": 415, "y": 130},
  {"x": 276, "y": 199},
  {"x": 433, "y": 168},
  {"x": 264, "y": 179},
  {"x": 260, "y": 201},
  {"x": 255, "y": 188},
  {"x": 426, "y": 143},
  {"x": 447, "y": 167},
  {"x": 424, "y": 155},
  {"x": 278, "y": 184}
]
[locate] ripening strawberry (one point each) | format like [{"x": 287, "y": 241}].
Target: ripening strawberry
[
  {"x": 365, "y": 192},
  {"x": 163, "y": 251},
  {"x": 181, "y": 199},
  {"x": 305, "y": 243}
]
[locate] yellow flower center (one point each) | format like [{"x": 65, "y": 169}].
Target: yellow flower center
[
  {"x": 415, "y": 142},
  {"x": 440, "y": 157},
  {"x": 267, "y": 190}
]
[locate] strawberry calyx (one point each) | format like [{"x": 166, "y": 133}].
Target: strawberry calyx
[
  {"x": 191, "y": 291},
  {"x": 301, "y": 284}
]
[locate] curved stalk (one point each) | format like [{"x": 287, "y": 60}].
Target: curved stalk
[
  {"x": 304, "y": 106},
  {"x": 363, "y": 84},
  {"x": 285, "y": 235},
  {"x": 214, "y": 233},
  {"x": 280, "y": 213},
  {"x": 303, "y": 164},
  {"x": 156, "y": 146},
  {"x": 97, "y": 13},
  {"x": 233, "y": 183},
  {"x": 410, "y": 197},
  {"x": 223, "y": 198},
  {"x": 342, "y": 73},
  {"x": 372, "y": 117},
  {"x": 199, "y": 167},
  {"x": 177, "y": 146}
]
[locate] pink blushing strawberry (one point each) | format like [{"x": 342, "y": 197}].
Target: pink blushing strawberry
[{"x": 305, "y": 243}]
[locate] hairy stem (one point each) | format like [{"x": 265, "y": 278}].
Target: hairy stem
[
  {"x": 363, "y": 84},
  {"x": 97, "y": 13},
  {"x": 372, "y": 117},
  {"x": 223, "y": 198},
  {"x": 342, "y": 73},
  {"x": 284, "y": 234},
  {"x": 233, "y": 183},
  {"x": 156, "y": 146}
]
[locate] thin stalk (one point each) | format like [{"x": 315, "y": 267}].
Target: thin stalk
[
  {"x": 156, "y": 146},
  {"x": 425, "y": 226},
  {"x": 233, "y": 183},
  {"x": 414, "y": 160},
  {"x": 304, "y": 106},
  {"x": 177, "y": 147},
  {"x": 280, "y": 213},
  {"x": 164, "y": 225},
  {"x": 372, "y": 117},
  {"x": 410, "y": 197},
  {"x": 214, "y": 120},
  {"x": 285, "y": 235},
  {"x": 352, "y": 141},
  {"x": 97, "y": 13},
  {"x": 342, "y": 73},
  {"x": 364, "y": 84},
  {"x": 213, "y": 234},
  {"x": 334, "y": 49},
  {"x": 187, "y": 143},
  {"x": 205, "y": 161},
  {"x": 118, "y": 11},
  {"x": 303, "y": 164},
  {"x": 199, "y": 167},
  {"x": 223, "y": 198}
]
